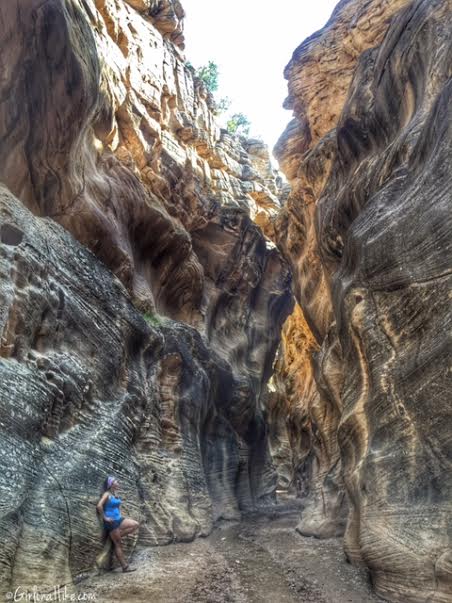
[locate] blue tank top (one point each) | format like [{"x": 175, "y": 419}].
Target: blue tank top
[{"x": 111, "y": 507}]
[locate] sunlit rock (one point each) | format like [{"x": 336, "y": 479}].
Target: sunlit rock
[{"x": 367, "y": 230}]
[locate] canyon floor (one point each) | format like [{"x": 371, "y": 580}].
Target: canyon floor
[{"x": 260, "y": 559}]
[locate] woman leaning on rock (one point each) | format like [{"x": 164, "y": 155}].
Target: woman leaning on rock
[{"x": 115, "y": 525}]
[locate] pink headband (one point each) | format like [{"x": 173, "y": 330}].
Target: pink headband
[{"x": 110, "y": 480}]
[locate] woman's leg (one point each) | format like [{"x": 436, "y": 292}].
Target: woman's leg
[
  {"x": 128, "y": 526},
  {"x": 115, "y": 535}
]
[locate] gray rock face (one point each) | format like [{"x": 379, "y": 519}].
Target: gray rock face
[
  {"x": 104, "y": 130},
  {"x": 87, "y": 388},
  {"x": 368, "y": 231}
]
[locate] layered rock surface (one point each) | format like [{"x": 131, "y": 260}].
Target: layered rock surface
[
  {"x": 367, "y": 231},
  {"x": 138, "y": 333}
]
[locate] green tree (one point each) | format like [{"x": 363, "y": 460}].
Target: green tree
[
  {"x": 222, "y": 105},
  {"x": 209, "y": 75},
  {"x": 239, "y": 124}
]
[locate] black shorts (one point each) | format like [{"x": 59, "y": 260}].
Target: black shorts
[{"x": 113, "y": 525}]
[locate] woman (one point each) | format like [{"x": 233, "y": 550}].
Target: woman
[{"x": 115, "y": 525}]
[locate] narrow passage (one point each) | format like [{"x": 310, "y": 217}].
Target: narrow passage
[{"x": 262, "y": 559}]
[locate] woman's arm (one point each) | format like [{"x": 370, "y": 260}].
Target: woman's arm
[{"x": 100, "y": 506}]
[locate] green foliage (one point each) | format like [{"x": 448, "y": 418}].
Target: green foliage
[
  {"x": 209, "y": 75},
  {"x": 222, "y": 105},
  {"x": 153, "y": 319},
  {"x": 239, "y": 124}
]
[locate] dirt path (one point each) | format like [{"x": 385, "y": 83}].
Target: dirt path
[{"x": 259, "y": 560}]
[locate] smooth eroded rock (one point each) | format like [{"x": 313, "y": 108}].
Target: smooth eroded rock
[{"x": 367, "y": 230}]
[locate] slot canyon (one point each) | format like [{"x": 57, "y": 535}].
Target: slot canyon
[{"x": 262, "y": 358}]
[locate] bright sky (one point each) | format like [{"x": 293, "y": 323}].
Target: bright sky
[{"x": 252, "y": 41}]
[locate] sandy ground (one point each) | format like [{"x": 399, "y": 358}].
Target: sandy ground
[{"x": 262, "y": 559}]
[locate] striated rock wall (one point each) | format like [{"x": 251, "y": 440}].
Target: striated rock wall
[
  {"x": 367, "y": 229},
  {"x": 303, "y": 421},
  {"x": 141, "y": 304},
  {"x": 114, "y": 134},
  {"x": 89, "y": 387}
]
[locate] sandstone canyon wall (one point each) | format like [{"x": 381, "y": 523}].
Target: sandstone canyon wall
[
  {"x": 141, "y": 305},
  {"x": 142, "y": 302},
  {"x": 365, "y": 368}
]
